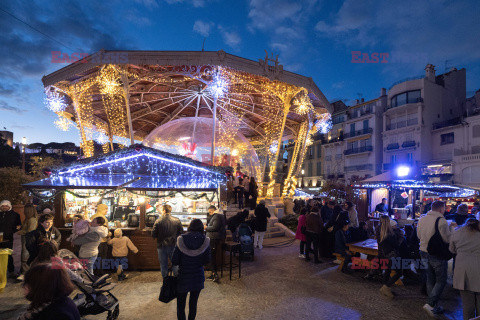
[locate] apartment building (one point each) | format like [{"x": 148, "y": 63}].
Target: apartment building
[
  {"x": 333, "y": 144},
  {"x": 415, "y": 109},
  {"x": 363, "y": 138}
]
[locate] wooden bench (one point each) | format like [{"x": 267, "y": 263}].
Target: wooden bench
[{"x": 340, "y": 258}]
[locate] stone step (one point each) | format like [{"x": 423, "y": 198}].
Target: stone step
[{"x": 274, "y": 234}]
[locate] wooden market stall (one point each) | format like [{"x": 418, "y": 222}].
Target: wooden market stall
[{"x": 130, "y": 182}]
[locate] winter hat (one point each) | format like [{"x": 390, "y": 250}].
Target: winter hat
[
  {"x": 117, "y": 233},
  {"x": 47, "y": 211},
  {"x": 6, "y": 203}
]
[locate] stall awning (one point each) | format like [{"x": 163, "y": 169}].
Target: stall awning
[
  {"x": 82, "y": 182},
  {"x": 160, "y": 183}
]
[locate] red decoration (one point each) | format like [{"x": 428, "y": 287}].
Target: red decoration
[
  {"x": 189, "y": 149},
  {"x": 404, "y": 195},
  {"x": 138, "y": 149}
]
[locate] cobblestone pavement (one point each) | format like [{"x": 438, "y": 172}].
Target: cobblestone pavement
[{"x": 277, "y": 285}]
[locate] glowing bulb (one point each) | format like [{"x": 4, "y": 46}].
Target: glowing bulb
[
  {"x": 403, "y": 171},
  {"x": 141, "y": 200},
  {"x": 235, "y": 152}
]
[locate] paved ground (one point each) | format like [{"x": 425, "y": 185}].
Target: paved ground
[{"x": 278, "y": 285}]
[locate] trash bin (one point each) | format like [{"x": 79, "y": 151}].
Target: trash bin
[{"x": 4, "y": 253}]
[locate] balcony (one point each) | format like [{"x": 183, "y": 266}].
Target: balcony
[
  {"x": 362, "y": 113},
  {"x": 358, "y": 150},
  {"x": 448, "y": 123},
  {"x": 393, "y": 146},
  {"x": 363, "y": 167},
  {"x": 334, "y": 139},
  {"x": 409, "y": 144},
  {"x": 402, "y": 124},
  {"x": 328, "y": 158},
  {"x": 358, "y": 133}
]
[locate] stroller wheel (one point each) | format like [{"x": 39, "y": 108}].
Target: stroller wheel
[{"x": 113, "y": 315}]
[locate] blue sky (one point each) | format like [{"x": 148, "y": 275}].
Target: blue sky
[{"x": 312, "y": 37}]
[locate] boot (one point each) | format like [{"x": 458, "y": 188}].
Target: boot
[{"x": 387, "y": 292}]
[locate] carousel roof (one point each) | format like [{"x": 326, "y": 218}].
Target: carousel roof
[{"x": 167, "y": 85}]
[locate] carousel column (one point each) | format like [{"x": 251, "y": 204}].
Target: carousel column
[
  {"x": 273, "y": 189},
  {"x": 293, "y": 170},
  {"x": 143, "y": 211},
  {"x": 85, "y": 144}
]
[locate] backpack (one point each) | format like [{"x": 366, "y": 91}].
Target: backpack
[{"x": 437, "y": 247}]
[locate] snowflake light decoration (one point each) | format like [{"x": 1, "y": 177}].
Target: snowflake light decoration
[
  {"x": 54, "y": 101},
  {"x": 324, "y": 123},
  {"x": 101, "y": 137},
  {"x": 309, "y": 141},
  {"x": 63, "y": 123},
  {"x": 218, "y": 87},
  {"x": 304, "y": 105},
  {"x": 274, "y": 147}
]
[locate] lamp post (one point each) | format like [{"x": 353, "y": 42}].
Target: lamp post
[{"x": 24, "y": 142}]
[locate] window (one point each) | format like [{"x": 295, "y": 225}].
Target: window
[
  {"x": 447, "y": 138},
  {"x": 352, "y": 128},
  {"x": 352, "y": 145},
  {"x": 365, "y": 124},
  {"x": 476, "y": 131},
  {"x": 393, "y": 158},
  {"x": 406, "y": 97},
  {"x": 310, "y": 169},
  {"x": 410, "y": 157},
  {"x": 319, "y": 151},
  {"x": 319, "y": 168},
  {"x": 310, "y": 152}
]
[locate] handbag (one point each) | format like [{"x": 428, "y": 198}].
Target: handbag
[
  {"x": 437, "y": 247},
  {"x": 168, "y": 292}
]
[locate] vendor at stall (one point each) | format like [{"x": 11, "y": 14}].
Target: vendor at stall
[{"x": 382, "y": 206}]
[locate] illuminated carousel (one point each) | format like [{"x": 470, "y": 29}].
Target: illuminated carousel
[{"x": 213, "y": 107}]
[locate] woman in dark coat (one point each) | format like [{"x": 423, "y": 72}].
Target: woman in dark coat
[
  {"x": 48, "y": 288},
  {"x": 253, "y": 190},
  {"x": 191, "y": 254},
  {"x": 261, "y": 218}
]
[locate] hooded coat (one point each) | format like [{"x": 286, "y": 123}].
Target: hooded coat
[
  {"x": 261, "y": 218},
  {"x": 34, "y": 238},
  {"x": 89, "y": 242},
  {"x": 9, "y": 221},
  {"x": 191, "y": 253}
]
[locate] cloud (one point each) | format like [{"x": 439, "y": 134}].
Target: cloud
[
  {"x": 15, "y": 126},
  {"x": 441, "y": 28},
  {"x": 195, "y": 3},
  {"x": 231, "y": 38},
  {"x": 203, "y": 28},
  {"x": 338, "y": 85},
  {"x": 6, "y": 107}
]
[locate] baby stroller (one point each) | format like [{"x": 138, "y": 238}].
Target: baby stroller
[
  {"x": 95, "y": 297},
  {"x": 245, "y": 235}
]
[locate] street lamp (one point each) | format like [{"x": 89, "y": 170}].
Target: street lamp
[{"x": 24, "y": 142}]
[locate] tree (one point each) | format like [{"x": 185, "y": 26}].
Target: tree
[
  {"x": 11, "y": 186},
  {"x": 9, "y": 157},
  {"x": 38, "y": 163}
]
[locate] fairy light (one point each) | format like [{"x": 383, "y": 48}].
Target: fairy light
[
  {"x": 54, "y": 100},
  {"x": 63, "y": 123}
]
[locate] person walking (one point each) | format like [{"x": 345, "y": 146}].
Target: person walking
[
  {"x": 253, "y": 189},
  {"x": 246, "y": 189},
  {"x": 166, "y": 230},
  {"x": 29, "y": 224},
  {"x": 90, "y": 241},
  {"x": 240, "y": 193},
  {"x": 191, "y": 253},
  {"x": 352, "y": 214},
  {"x": 45, "y": 231},
  {"x": 216, "y": 231},
  {"x": 465, "y": 243},
  {"x": 461, "y": 215},
  {"x": 301, "y": 231},
  {"x": 261, "y": 219},
  {"x": 437, "y": 266},
  {"x": 313, "y": 231},
  {"x": 47, "y": 288},
  {"x": 9, "y": 224}
]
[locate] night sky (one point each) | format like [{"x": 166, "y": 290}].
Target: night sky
[{"x": 312, "y": 38}]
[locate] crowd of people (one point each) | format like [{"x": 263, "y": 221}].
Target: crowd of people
[{"x": 325, "y": 227}]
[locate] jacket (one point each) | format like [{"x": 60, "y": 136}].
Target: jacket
[
  {"x": 314, "y": 223},
  {"x": 459, "y": 218},
  {"x": 389, "y": 247},
  {"x": 34, "y": 238},
  {"x": 166, "y": 230},
  {"x": 9, "y": 221},
  {"x": 301, "y": 223},
  {"x": 61, "y": 309},
  {"x": 466, "y": 245},
  {"x": 353, "y": 218},
  {"x": 89, "y": 242},
  {"x": 261, "y": 218},
  {"x": 426, "y": 229},
  {"x": 191, "y": 253},
  {"x": 326, "y": 213},
  {"x": 216, "y": 227},
  {"x": 121, "y": 245},
  {"x": 336, "y": 221}
]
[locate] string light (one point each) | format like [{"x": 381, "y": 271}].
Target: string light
[{"x": 63, "y": 123}]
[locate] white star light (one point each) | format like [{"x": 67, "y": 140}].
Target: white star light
[{"x": 54, "y": 101}]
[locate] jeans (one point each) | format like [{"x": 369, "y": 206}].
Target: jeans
[
  {"x": 25, "y": 256},
  {"x": 192, "y": 305},
  {"x": 312, "y": 239},
  {"x": 436, "y": 277},
  {"x": 471, "y": 304},
  {"x": 90, "y": 263},
  {"x": 258, "y": 240},
  {"x": 302, "y": 247},
  {"x": 164, "y": 254},
  {"x": 387, "y": 279}
]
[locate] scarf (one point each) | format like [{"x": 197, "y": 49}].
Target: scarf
[{"x": 32, "y": 313}]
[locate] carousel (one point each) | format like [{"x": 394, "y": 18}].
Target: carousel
[{"x": 173, "y": 126}]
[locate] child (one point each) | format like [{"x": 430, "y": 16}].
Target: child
[
  {"x": 341, "y": 246},
  {"x": 120, "y": 246},
  {"x": 80, "y": 227}
]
